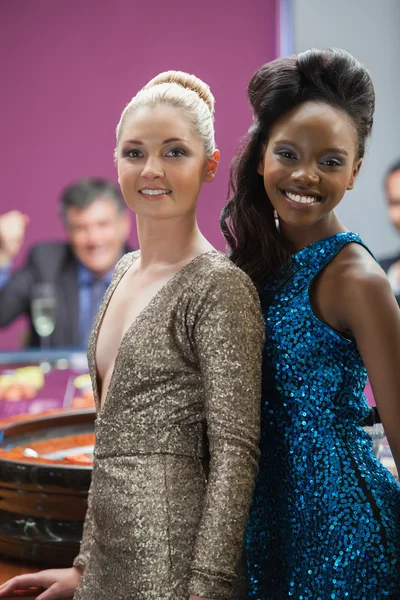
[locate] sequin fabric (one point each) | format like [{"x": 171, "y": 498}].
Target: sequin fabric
[
  {"x": 324, "y": 523},
  {"x": 176, "y": 441}
]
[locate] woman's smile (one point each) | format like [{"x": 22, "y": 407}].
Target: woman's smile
[
  {"x": 302, "y": 198},
  {"x": 154, "y": 193}
]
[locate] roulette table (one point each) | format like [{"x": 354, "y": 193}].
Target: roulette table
[
  {"x": 46, "y": 443},
  {"x": 45, "y": 474},
  {"x": 34, "y": 381}
]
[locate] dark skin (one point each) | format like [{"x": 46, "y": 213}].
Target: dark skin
[{"x": 309, "y": 162}]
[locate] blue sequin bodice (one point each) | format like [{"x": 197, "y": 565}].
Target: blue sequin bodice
[{"x": 325, "y": 517}]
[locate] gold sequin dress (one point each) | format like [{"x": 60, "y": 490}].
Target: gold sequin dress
[{"x": 176, "y": 440}]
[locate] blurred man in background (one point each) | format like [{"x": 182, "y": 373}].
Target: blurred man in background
[
  {"x": 97, "y": 225},
  {"x": 391, "y": 264}
]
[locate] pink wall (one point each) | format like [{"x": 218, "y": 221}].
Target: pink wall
[{"x": 68, "y": 68}]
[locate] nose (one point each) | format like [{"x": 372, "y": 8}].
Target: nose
[
  {"x": 152, "y": 168},
  {"x": 305, "y": 175},
  {"x": 92, "y": 236}
]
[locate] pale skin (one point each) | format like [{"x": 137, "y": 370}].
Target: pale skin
[
  {"x": 393, "y": 200},
  {"x": 312, "y": 151},
  {"x": 169, "y": 239},
  {"x": 96, "y": 233},
  {"x": 12, "y": 234}
]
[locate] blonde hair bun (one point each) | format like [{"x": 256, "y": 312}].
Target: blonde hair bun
[
  {"x": 187, "y": 81},
  {"x": 181, "y": 90}
]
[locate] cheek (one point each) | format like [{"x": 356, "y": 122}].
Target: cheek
[
  {"x": 127, "y": 183},
  {"x": 189, "y": 179},
  {"x": 111, "y": 233},
  {"x": 78, "y": 239},
  {"x": 394, "y": 214},
  {"x": 272, "y": 175},
  {"x": 128, "y": 171},
  {"x": 123, "y": 174},
  {"x": 340, "y": 181}
]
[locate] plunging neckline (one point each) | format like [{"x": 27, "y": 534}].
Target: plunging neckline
[{"x": 102, "y": 311}]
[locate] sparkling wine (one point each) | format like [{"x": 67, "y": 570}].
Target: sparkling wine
[{"x": 44, "y": 315}]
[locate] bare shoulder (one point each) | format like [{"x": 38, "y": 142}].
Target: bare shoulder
[
  {"x": 353, "y": 290},
  {"x": 356, "y": 272},
  {"x": 356, "y": 267}
]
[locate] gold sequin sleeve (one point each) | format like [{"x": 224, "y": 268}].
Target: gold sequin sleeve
[
  {"x": 228, "y": 338},
  {"x": 87, "y": 537}
]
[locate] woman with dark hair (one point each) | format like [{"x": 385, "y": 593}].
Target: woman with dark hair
[{"x": 325, "y": 516}]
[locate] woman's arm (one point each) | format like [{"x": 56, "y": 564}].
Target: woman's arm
[
  {"x": 228, "y": 336},
  {"x": 370, "y": 312}
]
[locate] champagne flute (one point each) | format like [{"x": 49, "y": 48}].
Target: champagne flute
[{"x": 43, "y": 310}]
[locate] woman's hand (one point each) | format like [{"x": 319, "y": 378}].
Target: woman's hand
[{"x": 58, "y": 583}]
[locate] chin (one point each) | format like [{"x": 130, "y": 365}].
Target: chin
[
  {"x": 98, "y": 267},
  {"x": 298, "y": 223}
]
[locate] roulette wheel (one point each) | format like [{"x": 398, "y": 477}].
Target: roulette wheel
[{"x": 45, "y": 474}]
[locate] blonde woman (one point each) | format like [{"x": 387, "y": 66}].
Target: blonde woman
[{"x": 175, "y": 360}]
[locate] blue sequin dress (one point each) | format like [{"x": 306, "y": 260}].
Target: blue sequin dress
[{"x": 325, "y": 517}]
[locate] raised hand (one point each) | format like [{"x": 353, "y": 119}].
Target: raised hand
[{"x": 12, "y": 234}]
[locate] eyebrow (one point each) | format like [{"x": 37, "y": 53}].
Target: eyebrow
[
  {"x": 337, "y": 151},
  {"x": 341, "y": 151},
  {"x": 167, "y": 141}
]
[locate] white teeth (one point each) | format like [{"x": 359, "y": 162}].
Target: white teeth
[
  {"x": 301, "y": 199},
  {"x": 155, "y": 192}
]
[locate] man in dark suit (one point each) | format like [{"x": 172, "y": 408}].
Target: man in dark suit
[
  {"x": 391, "y": 264},
  {"x": 97, "y": 225}
]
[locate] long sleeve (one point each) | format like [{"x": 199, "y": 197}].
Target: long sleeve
[
  {"x": 87, "y": 537},
  {"x": 228, "y": 338}
]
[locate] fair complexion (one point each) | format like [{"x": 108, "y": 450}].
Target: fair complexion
[
  {"x": 309, "y": 163},
  {"x": 161, "y": 168},
  {"x": 158, "y": 151},
  {"x": 393, "y": 198},
  {"x": 161, "y": 165},
  {"x": 97, "y": 234},
  {"x": 57, "y": 583},
  {"x": 12, "y": 235}
]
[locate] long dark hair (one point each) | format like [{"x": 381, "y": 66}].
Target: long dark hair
[{"x": 332, "y": 76}]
